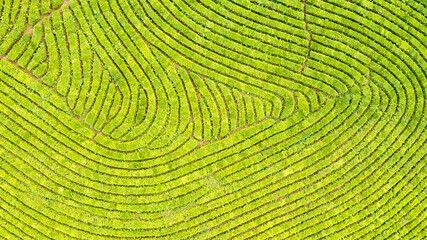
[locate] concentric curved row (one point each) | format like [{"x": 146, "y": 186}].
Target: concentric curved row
[{"x": 213, "y": 119}]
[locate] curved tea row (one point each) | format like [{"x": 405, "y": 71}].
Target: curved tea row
[{"x": 213, "y": 119}]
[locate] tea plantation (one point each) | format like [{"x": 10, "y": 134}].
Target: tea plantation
[{"x": 213, "y": 119}]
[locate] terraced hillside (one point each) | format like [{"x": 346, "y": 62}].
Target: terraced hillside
[{"x": 213, "y": 119}]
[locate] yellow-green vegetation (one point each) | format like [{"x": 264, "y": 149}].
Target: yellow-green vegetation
[{"x": 213, "y": 119}]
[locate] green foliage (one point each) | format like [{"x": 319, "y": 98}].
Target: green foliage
[{"x": 254, "y": 119}]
